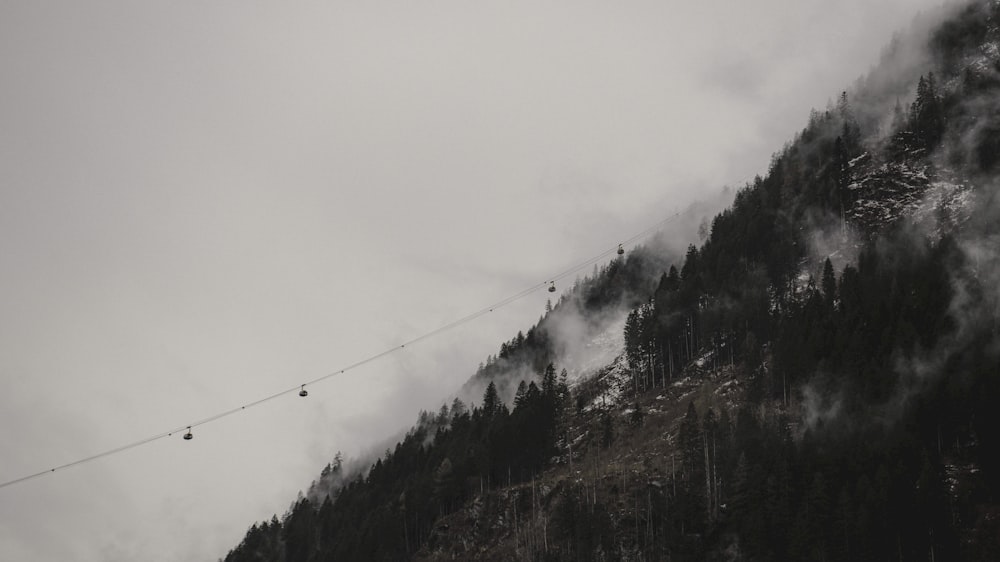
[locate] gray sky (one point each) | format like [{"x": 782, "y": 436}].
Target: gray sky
[{"x": 204, "y": 202}]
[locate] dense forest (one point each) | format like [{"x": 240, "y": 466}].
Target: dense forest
[{"x": 865, "y": 426}]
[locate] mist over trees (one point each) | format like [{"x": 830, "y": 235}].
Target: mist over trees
[
  {"x": 441, "y": 463},
  {"x": 867, "y": 427}
]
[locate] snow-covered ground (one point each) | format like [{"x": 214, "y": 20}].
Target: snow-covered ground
[{"x": 884, "y": 193}]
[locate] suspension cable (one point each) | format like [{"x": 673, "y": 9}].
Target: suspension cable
[{"x": 453, "y": 324}]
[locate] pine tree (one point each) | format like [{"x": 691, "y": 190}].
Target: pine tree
[
  {"x": 519, "y": 395},
  {"x": 458, "y": 409},
  {"x": 633, "y": 340},
  {"x": 690, "y": 441},
  {"x": 690, "y": 268},
  {"x": 926, "y": 114},
  {"x": 549, "y": 382},
  {"x": 673, "y": 281},
  {"x": 444, "y": 482},
  {"x": 491, "y": 401},
  {"x": 562, "y": 387},
  {"x": 843, "y": 106},
  {"x": 829, "y": 283},
  {"x": 709, "y": 427},
  {"x": 741, "y": 486}
]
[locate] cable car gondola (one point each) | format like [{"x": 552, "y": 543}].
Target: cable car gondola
[
  {"x": 552, "y": 286},
  {"x": 621, "y": 251},
  {"x": 188, "y": 436},
  {"x": 303, "y": 393}
]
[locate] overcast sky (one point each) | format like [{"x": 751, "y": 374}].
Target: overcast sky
[{"x": 202, "y": 203}]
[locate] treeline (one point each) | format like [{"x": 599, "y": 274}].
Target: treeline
[
  {"x": 895, "y": 395},
  {"x": 724, "y": 299},
  {"x": 726, "y": 296},
  {"x": 893, "y": 448},
  {"x": 623, "y": 282},
  {"x": 389, "y": 513},
  {"x": 869, "y": 429},
  {"x": 889, "y": 443}
]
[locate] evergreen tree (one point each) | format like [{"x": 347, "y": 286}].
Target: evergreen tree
[
  {"x": 690, "y": 267},
  {"x": 458, "y": 409},
  {"x": 549, "y": 382},
  {"x": 926, "y": 115},
  {"x": 690, "y": 442},
  {"x": 519, "y": 395},
  {"x": 491, "y": 401},
  {"x": 840, "y": 490},
  {"x": 562, "y": 387},
  {"x": 829, "y": 283}
]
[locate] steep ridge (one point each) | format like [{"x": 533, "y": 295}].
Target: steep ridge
[{"x": 817, "y": 381}]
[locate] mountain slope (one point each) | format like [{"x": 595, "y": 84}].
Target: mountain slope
[{"x": 816, "y": 381}]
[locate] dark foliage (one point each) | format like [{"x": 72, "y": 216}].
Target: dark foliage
[
  {"x": 389, "y": 513},
  {"x": 893, "y": 452}
]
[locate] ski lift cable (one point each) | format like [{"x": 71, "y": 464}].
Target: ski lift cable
[{"x": 301, "y": 387}]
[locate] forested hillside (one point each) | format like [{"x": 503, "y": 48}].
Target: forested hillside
[{"x": 817, "y": 380}]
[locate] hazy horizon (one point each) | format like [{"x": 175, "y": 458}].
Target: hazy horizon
[{"x": 203, "y": 204}]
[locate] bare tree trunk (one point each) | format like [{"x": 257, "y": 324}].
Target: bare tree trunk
[
  {"x": 715, "y": 479},
  {"x": 732, "y": 350},
  {"x": 673, "y": 474},
  {"x": 652, "y": 359},
  {"x": 670, "y": 354},
  {"x": 689, "y": 339},
  {"x": 517, "y": 543},
  {"x": 406, "y": 533},
  {"x": 931, "y": 533},
  {"x": 649, "y": 515},
  {"x": 569, "y": 446},
  {"x": 708, "y": 480},
  {"x": 663, "y": 367},
  {"x": 637, "y": 522},
  {"x": 545, "y": 534},
  {"x": 534, "y": 515}
]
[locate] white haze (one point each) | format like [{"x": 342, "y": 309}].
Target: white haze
[
  {"x": 971, "y": 212},
  {"x": 584, "y": 340},
  {"x": 203, "y": 203}
]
